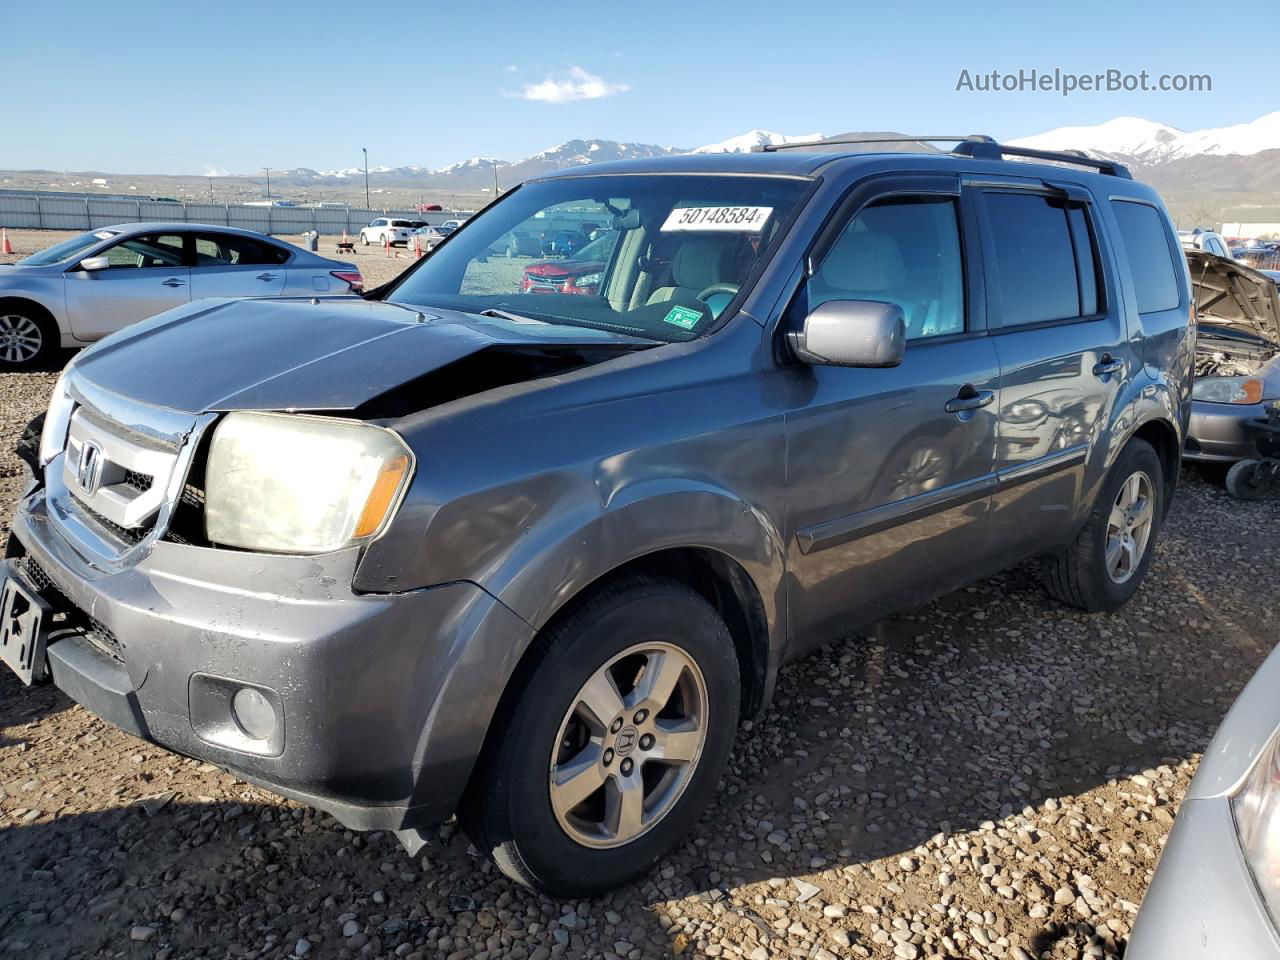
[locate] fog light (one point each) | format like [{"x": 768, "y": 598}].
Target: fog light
[{"x": 254, "y": 713}]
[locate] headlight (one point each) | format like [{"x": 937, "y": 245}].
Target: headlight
[
  {"x": 588, "y": 280},
  {"x": 294, "y": 484},
  {"x": 1256, "y": 810},
  {"x": 1228, "y": 390},
  {"x": 56, "y": 420}
]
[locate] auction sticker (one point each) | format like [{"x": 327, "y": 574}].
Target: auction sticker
[
  {"x": 683, "y": 317},
  {"x": 727, "y": 219}
]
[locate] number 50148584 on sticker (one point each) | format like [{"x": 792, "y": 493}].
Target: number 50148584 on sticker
[{"x": 727, "y": 219}]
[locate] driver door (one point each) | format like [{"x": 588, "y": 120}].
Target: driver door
[
  {"x": 147, "y": 275},
  {"x": 890, "y": 470}
]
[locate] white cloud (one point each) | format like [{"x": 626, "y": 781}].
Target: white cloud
[
  {"x": 577, "y": 84},
  {"x": 512, "y": 68},
  {"x": 217, "y": 172}
]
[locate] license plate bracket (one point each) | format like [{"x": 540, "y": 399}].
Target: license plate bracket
[{"x": 24, "y": 628}]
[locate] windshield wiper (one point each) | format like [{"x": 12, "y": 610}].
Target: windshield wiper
[{"x": 508, "y": 315}]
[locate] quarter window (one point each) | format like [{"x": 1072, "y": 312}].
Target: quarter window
[
  {"x": 903, "y": 250},
  {"x": 1045, "y": 258},
  {"x": 1146, "y": 246}
]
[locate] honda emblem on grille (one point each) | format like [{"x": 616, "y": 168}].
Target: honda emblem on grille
[{"x": 89, "y": 469}]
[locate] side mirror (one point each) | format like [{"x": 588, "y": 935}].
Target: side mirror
[
  {"x": 852, "y": 333},
  {"x": 95, "y": 263}
]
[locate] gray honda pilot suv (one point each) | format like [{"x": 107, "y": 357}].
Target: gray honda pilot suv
[{"x": 528, "y": 554}]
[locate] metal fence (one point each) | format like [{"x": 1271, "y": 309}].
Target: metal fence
[{"x": 46, "y": 210}]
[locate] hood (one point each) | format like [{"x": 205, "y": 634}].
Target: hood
[
  {"x": 1230, "y": 293},
  {"x": 329, "y": 354},
  {"x": 563, "y": 268}
]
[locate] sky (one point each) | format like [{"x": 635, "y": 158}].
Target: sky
[{"x": 231, "y": 87}]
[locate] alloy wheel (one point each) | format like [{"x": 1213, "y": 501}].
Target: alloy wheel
[
  {"x": 628, "y": 745},
  {"x": 1129, "y": 527},
  {"x": 20, "y": 338}
]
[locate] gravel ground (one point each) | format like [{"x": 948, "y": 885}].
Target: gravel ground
[{"x": 990, "y": 776}]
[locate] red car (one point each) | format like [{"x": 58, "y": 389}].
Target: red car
[{"x": 580, "y": 272}]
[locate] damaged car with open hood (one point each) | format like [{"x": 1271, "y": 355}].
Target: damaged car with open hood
[
  {"x": 455, "y": 548},
  {"x": 1237, "y": 359}
]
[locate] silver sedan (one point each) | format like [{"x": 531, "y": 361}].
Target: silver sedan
[
  {"x": 1237, "y": 356},
  {"x": 84, "y": 288},
  {"x": 1216, "y": 892}
]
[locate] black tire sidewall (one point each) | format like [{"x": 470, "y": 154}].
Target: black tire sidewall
[
  {"x": 669, "y": 613},
  {"x": 1138, "y": 455}
]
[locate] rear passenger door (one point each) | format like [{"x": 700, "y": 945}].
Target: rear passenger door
[
  {"x": 889, "y": 471},
  {"x": 1064, "y": 353},
  {"x": 229, "y": 265}
]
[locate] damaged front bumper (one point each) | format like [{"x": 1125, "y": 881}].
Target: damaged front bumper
[
  {"x": 1216, "y": 431},
  {"x": 371, "y": 707}
]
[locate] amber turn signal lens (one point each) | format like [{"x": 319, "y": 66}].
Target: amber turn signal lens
[
  {"x": 382, "y": 496},
  {"x": 1252, "y": 390}
]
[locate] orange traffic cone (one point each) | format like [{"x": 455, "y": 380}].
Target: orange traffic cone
[
  {"x": 386, "y": 244},
  {"x": 417, "y": 247},
  {"x": 5, "y": 245}
]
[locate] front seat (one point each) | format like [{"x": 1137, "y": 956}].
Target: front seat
[
  {"x": 699, "y": 263},
  {"x": 867, "y": 265}
]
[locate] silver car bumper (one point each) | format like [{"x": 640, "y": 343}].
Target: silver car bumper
[
  {"x": 1202, "y": 902},
  {"x": 1216, "y": 432}
]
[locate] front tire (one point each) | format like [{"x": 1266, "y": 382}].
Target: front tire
[
  {"x": 28, "y": 336},
  {"x": 364, "y": 238},
  {"x": 611, "y": 742},
  {"x": 1108, "y": 560}
]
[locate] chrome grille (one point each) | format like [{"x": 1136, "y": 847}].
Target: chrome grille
[{"x": 121, "y": 473}]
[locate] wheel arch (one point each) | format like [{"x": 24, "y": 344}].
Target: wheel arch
[{"x": 1163, "y": 437}]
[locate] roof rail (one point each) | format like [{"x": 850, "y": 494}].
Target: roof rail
[
  {"x": 975, "y": 145},
  {"x": 802, "y": 144},
  {"x": 990, "y": 150}
]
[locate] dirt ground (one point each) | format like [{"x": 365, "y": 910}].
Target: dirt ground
[{"x": 991, "y": 776}]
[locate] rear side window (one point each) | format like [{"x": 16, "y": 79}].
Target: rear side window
[
  {"x": 223, "y": 249},
  {"x": 1146, "y": 245},
  {"x": 1045, "y": 258}
]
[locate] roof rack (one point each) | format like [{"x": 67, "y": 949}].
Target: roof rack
[
  {"x": 976, "y": 145},
  {"x": 802, "y": 144},
  {"x": 988, "y": 149}
]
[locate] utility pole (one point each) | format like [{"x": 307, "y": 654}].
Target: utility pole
[
  {"x": 495, "y": 181},
  {"x": 366, "y": 178},
  {"x": 211, "y": 189},
  {"x": 268, "y": 169}
]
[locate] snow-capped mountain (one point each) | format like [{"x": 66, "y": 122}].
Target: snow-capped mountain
[
  {"x": 1145, "y": 142},
  {"x": 746, "y": 142}
]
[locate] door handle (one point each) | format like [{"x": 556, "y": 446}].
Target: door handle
[
  {"x": 174, "y": 282},
  {"x": 969, "y": 398},
  {"x": 1107, "y": 365},
  {"x": 266, "y": 276}
]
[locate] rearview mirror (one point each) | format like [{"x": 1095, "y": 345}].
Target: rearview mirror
[
  {"x": 852, "y": 333},
  {"x": 95, "y": 263}
]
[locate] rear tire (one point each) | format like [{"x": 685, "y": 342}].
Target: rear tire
[
  {"x": 518, "y": 809},
  {"x": 1092, "y": 573},
  {"x": 28, "y": 335}
]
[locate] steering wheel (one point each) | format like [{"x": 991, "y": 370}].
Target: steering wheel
[{"x": 730, "y": 288}]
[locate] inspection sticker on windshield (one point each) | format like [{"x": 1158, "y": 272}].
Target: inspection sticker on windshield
[
  {"x": 683, "y": 317},
  {"x": 727, "y": 219}
]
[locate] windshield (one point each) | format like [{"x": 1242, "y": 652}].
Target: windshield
[
  {"x": 667, "y": 252},
  {"x": 68, "y": 248}
]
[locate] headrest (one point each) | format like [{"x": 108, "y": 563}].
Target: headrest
[
  {"x": 865, "y": 262},
  {"x": 702, "y": 261}
]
